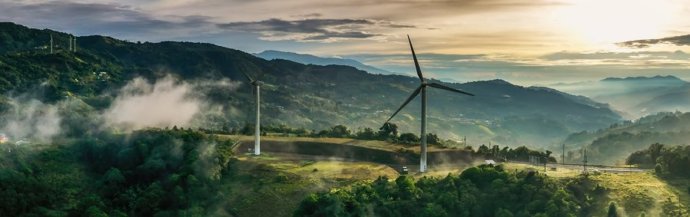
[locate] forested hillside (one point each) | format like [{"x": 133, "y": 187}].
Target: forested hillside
[
  {"x": 297, "y": 95},
  {"x": 613, "y": 144}
]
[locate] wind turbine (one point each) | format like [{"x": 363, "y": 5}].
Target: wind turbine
[
  {"x": 257, "y": 128},
  {"x": 422, "y": 88}
]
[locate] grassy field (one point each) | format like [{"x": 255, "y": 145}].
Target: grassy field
[
  {"x": 375, "y": 144},
  {"x": 632, "y": 192},
  {"x": 285, "y": 182},
  {"x": 298, "y": 175},
  {"x": 285, "y": 179}
]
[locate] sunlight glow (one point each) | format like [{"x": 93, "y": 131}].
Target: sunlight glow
[{"x": 610, "y": 21}]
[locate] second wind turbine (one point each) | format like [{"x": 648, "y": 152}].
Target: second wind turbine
[
  {"x": 422, "y": 88},
  {"x": 257, "y": 128}
]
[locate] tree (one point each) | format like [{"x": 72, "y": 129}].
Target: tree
[
  {"x": 503, "y": 213},
  {"x": 366, "y": 134},
  {"x": 339, "y": 131},
  {"x": 387, "y": 131},
  {"x": 433, "y": 210},
  {"x": 406, "y": 188},
  {"x": 247, "y": 129},
  {"x": 612, "y": 210},
  {"x": 484, "y": 150},
  {"x": 432, "y": 139},
  {"x": 113, "y": 177},
  {"x": 655, "y": 151},
  {"x": 408, "y": 138},
  {"x": 95, "y": 212}
]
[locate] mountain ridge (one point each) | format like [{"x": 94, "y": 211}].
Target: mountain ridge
[
  {"x": 317, "y": 60},
  {"x": 299, "y": 95}
]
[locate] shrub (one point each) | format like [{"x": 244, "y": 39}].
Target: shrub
[
  {"x": 612, "y": 210},
  {"x": 657, "y": 169}
]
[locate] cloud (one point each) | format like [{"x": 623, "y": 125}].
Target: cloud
[
  {"x": 543, "y": 70},
  {"x": 313, "y": 29},
  {"x": 30, "y": 119},
  {"x": 676, "y": 40},
  {"x": 643, "y": 55},
  {"x": 165, "y": 102},
  {"x": 100, "y": 18},
  {"x": 142, "y": 104}
]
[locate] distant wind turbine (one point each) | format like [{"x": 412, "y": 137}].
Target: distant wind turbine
[
  {"x": 257, "y": 128},
  {"x": 422, "y": 88}
]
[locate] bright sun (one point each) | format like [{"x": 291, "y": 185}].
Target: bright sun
[{"x": 610, "y": 21}]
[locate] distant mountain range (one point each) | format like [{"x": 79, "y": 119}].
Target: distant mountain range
[
  {"x": 635, "y": 97},
  {"x": 298, "y": 95},
  {"x": 316, "y": 60}
]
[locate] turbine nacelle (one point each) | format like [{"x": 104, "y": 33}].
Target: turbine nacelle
[{"x": 256, "y": 83}]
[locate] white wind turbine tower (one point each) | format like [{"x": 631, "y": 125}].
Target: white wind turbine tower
[
  {"x": 257, "y": 128},
  {"x": 422, "y": 88}
]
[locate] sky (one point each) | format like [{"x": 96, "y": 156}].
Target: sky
[{"x": 535, "y": 42}]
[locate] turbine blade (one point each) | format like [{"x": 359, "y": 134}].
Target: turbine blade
[
  {"x": 440, "y": 86},
  {"x": 414, "y": 94},
  {"x": 416, "y": 63},
  {"x": 251, "y": 80}
]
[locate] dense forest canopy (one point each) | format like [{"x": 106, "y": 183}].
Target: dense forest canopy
[
  {"x": 162, "y": 172},
  {"x": 478, "y": 191}
]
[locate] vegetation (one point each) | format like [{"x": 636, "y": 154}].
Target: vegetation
[
  {"x": 613, "y": 144},
  {"x": 305, "y": 96},
  {"x": 389, "y": 132},
  {"x": 90, "y": 171},
  {"x": 477, "y": 191},
  {"x": 666, "y": 160},
  {"x": 150, "y": 172},
  {"x": 613, "y": 212}
]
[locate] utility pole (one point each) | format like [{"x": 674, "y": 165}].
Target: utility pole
[
  {"x": 563, "y": 155},
  {"x": 464, "y": 141},
  {"x": 51, "y": 44},
  {"x": 584, "y": 161}
]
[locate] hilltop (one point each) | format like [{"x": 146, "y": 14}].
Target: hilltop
[{"x": 316, "y": 60}]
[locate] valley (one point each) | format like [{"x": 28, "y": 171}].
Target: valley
[{"x": 123, "y": 128}]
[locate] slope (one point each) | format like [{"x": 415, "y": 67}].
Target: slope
[{"x": 297, "y": 95}]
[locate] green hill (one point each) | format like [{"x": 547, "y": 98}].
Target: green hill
[
  {"x": 613, "y": 144},
  {"x": 297, "y": 95}
]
